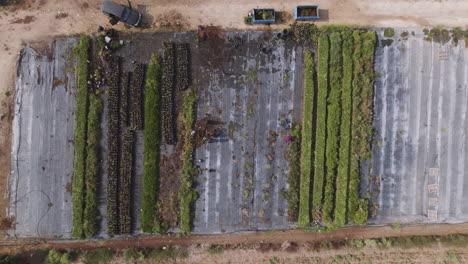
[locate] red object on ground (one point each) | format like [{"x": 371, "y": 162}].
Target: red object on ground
[{"x": 287, "y": 139}]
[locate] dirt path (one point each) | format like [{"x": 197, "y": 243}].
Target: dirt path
[
  {"x": 42, "y": 19},
  {"x": 273, "y": 237}
]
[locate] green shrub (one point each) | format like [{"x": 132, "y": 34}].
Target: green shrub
[
  {"x": 102, "y": 255},
  {"x": 216, "y": 249},
  {"x": 306, "y": 156},
  {"x": 152, "y": 140},
  {"x": 389, "y": 32},
  {"x": 294, "y": 175},
  {"x": 91, "y": 210},
  {"x": 81, "y": 52},
  {"x": 187, "y": 194},
  {"x": 57, "y": 257},
  {"x": 248, "y": 20},
  {"x": 345, "y": 131},
  {"x": 7, "y": 93},
  {"x": 134, "y": 254},
  {"x": 333, "y": 125},
  {"x": 320, "y": 133}
]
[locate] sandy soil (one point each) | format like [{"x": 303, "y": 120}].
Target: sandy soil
[{"x": 42, "y": 19}]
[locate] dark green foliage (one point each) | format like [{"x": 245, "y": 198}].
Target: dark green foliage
[
  {"x": 102, "y": 255},
  {"x": 82, "y": 54},
  {"x": 307, "y": 141},
  {"x": 345, "y": 131},
  {"x": 124, "y": 93},
  {"x": 294, "y": 158},
  {"x": 134, "y": 254},
  {"x": 125, "y": 183},
  {"x": 167, "y": 95},
  {"x": 113, "y": 134},
  {"x": 187, "y": 194},
  {"x": 91, "y": 210},
  {"x": 56, "y": 257},
  {"x": 320, "y": 134},
  {"x": 333, "y": 125},
  {"x": 152, "y": 140},
  {"x": 136, "y": 97}
]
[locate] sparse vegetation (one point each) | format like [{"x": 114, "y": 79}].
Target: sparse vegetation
[
  {"x": 101, "y": 255},
  {"x": 389, "y": 32},
  {"x": 152, "y": 140},
  {"x": 306, "y": 147}
]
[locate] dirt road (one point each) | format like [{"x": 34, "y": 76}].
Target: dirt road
[{"x": 43, "y": 19}]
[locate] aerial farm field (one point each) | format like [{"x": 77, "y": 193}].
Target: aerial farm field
[
  {"x": 203, "y": 136},
  {"x": 217, "y": 132}
]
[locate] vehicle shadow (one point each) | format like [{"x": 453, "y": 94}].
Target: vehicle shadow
[{"x": 147, "y": 20}]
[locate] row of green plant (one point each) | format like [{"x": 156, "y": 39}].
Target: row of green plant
[
  {"x": 333, "y": 125},
  {"x": 152, "y": 141},
  {"x": 294, "y": 175},
  {"x": 113, "y": 138},
  {"x": 187, "y": 194},
  {"x": 320, "y": 132},
  {"x": 362, "y": 131},
  {"x": 91, "y": 209},
  {"x": 87, "y": 134},
  {"x": 342, "y": 129},
  {"x": 306, "y": 154},
  {"x": 345, "y": 131}
]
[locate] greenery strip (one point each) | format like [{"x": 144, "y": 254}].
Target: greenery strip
[
  {"x": 307, "y": 139},
  {"x": 320, "y": 134},
  {"x": 187, "y": 194},
  {"x": 91, "y": 212},
  {"x": 81, "y": 52},
  {"x": 152, "y": 141},
  {"x": 345, "y": 132},
  {"x": 294, "y": 175},
  {"x": 333, "y": 125}
]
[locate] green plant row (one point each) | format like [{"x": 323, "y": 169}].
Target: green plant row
[
  {"x": 362, "y": 131},
  {"x": 321, "y": 132},
  {"x": 81, "y": 52},
  {"x": 187, "y": 194},
  {"x": 152, "y": 141},
  {"x": 91, "y": 211},
  {"x": 345, "y": 131},
  {"x": 306, "y": 141},
  {"x": 294, "y": 175},
  {"x": 333, "y": 125}
]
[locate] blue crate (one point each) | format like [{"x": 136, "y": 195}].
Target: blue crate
[
  {"x": 296, "y": 13},
  {"x": 258, "y": 21}
]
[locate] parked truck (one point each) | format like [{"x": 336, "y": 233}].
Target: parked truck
[
  {"x": 306, "y": 12},
  {"x": 263, "y": 16}
]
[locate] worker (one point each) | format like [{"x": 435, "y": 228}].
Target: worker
[
  {"x": 287, "y": 139},
  {"x": 100, "y": 28},
  {"x": 192, "y": 133}
]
